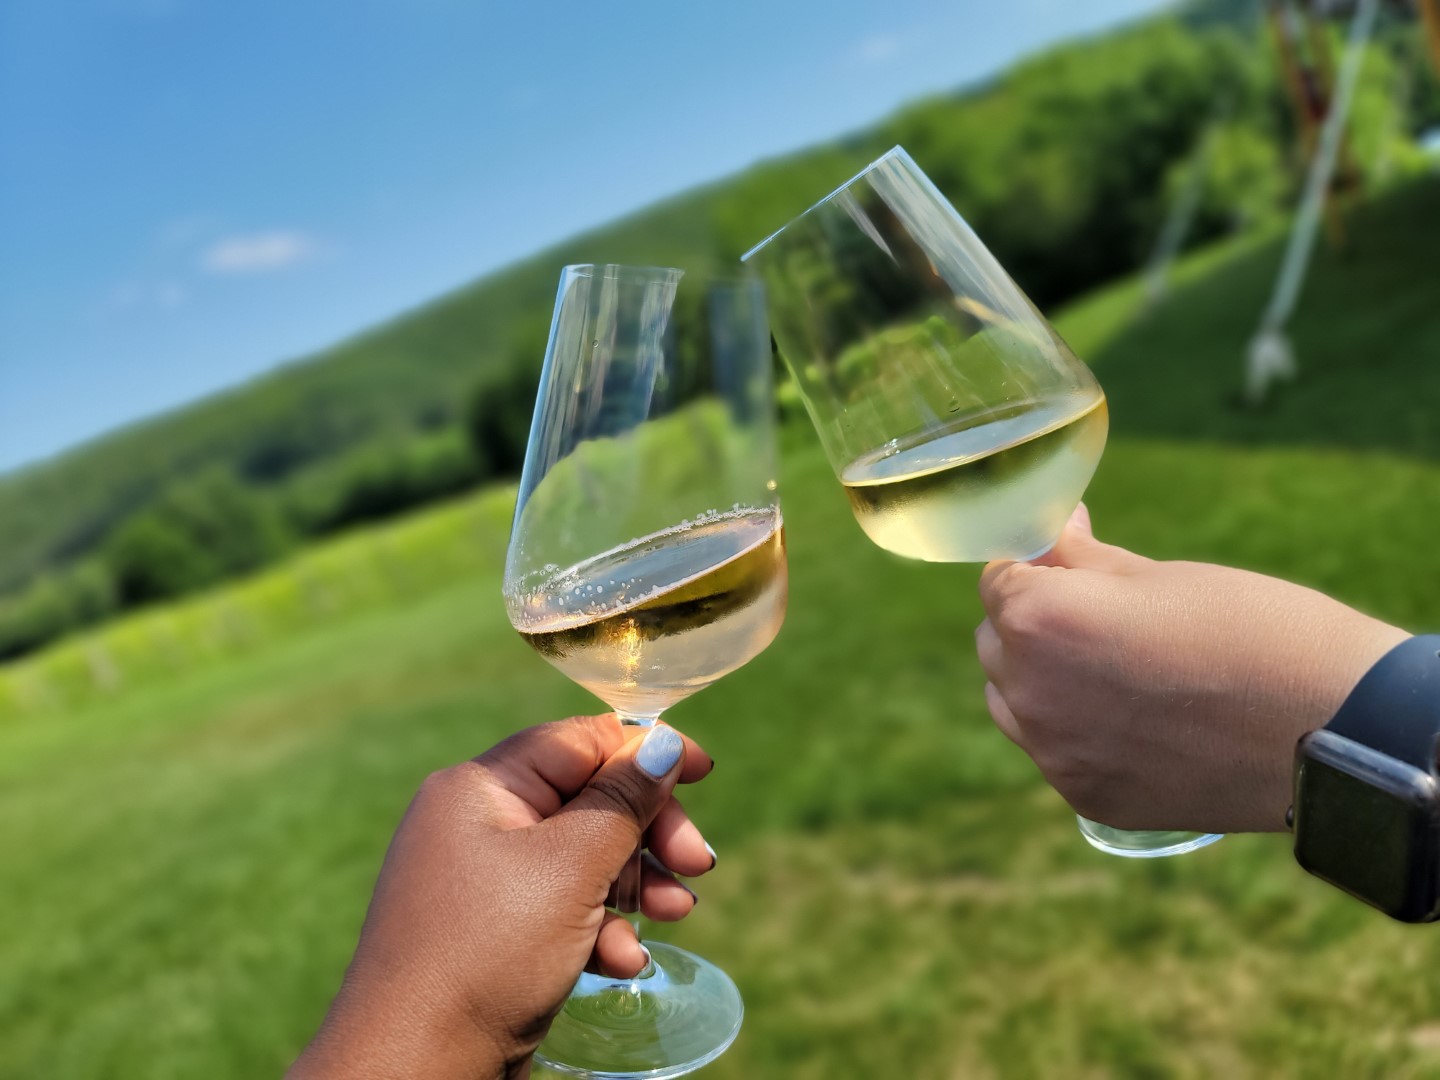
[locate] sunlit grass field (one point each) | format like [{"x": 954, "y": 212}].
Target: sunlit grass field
[{"x": 195, "y": 802}]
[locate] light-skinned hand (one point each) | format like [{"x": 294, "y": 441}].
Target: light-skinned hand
[{"x": 1165, "y": 695}]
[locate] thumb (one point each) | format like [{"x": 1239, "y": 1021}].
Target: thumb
[
  {"x": 601, "y": 827},
  {"x": 1078, "y": 549},
  {"x": 1080, "y": 519}
]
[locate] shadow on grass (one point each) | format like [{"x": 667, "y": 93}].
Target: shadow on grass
[{"x": 1366, "y": 336}]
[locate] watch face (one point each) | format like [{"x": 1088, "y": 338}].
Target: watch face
[{"x": 1366, "y": 823}]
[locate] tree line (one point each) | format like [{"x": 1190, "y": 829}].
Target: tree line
[
  {"x": 215, "y": 524},
  {"x": 1064, "y": 165}
]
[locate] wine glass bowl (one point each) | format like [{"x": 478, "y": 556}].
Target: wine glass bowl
[
  {"x": 960, "y": 424},
  {"x": 646, "y": 561},
  {"x": 637, "y": 629}
]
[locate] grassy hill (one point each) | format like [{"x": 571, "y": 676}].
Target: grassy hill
[
  {"x": 1061, "y": 163},
  {"x": 188, "y": 854},
  {"x": 1367, "y": 343},
  {"x": 413, "y": 373}
]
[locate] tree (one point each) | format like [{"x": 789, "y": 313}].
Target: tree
[
  {"x": 498, "y": 419},
  {"x": 53, "y": 605},
  {"x": 193, "y": 535}
]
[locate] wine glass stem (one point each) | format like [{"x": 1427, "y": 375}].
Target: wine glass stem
[{"x": 627, "y": 889}]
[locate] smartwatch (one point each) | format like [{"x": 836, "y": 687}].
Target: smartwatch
[{"x": 1366, "y": 813}]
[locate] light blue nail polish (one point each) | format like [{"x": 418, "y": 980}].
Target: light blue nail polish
[
  {"x": 660, "y": 750},
  {"x": 713, "y": 858}
]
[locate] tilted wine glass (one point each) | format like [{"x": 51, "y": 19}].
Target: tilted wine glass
[
  {"x": 647, "y": 559},
  {"x": 961, "y": 426}
]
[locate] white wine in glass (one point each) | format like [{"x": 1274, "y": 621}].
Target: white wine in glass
[
  {"x": 651, "y": 623},
  {"x": 1003, "y": 481},
  {"x": 646, "y": 561},
  {"x": 961, "y": 426}
]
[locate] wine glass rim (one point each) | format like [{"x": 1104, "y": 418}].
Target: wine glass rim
[
  {"x": 896, "y": 152},
  {"x": 621, "y": 270},
  {"x": 638, "y": 272}
]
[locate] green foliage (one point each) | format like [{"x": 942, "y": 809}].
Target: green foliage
[
  {"x": 215, "y": 526},
  {"x": 1375, "y": 129},
  {"x": 1366, "y": 323},
  {"x": 197, "y": 797},
  {"x": 381, "y": 479},
  {"x": 1067, "y": 152},
  {"x": 498, "y": 419},
  {"x": 904, "y": 896},
  {"x": 1243, "y": 179},
  {"x": 196, "y": 533},
  {"x": 54, "y": 605},
  {"x": 1424, "y": 103},
  {"x": 673, "y": 460},
  {"x": 379, "y": 567},
  {"x": 1241, "y": 15},
  {"x": 1064, "y": 165}
]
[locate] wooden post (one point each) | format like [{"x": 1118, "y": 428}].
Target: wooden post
[
  {"x": 1279, "y": 13},
  {"x": 1269, "y": 355},
  {"x": 1308, "y": 68},
  {"x": 1430, "y": 15}
]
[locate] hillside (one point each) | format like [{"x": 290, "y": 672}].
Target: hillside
[
  {"x": 1105, "y": 118},
  {"x": 1366, "y": 337},
  {"x": 197, "y": 797},
  {"x": 1063, "y": 163},
  {"x": 414, "y": 372}
]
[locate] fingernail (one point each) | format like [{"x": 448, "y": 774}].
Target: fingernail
[
  {"x": 711, "y": 850},
  {"x": 694, "y": 896},
  {"x": 660, "y": 751}
]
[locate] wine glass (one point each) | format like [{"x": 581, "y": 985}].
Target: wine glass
[
  {"x": 961, "y": 426},
  {"x": 646, "y": 560}
]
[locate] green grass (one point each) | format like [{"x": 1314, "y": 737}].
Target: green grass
[
  {"x": 187, "y": 856},
  {"x": 378, "y": 567}
]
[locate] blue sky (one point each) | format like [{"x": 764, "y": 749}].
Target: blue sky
[{"x": 192, "y": 192}]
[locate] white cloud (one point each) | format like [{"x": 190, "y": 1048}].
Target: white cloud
[
  {"x": 258, "y": 252},
  {"x": 878, "y": 49}
]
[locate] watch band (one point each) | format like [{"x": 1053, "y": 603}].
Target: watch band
[{"x": 1395, "y": 707}]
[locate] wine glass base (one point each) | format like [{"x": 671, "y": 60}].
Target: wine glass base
[
  {"x": 670, "y": 1022},
  {"x": 1143, "y": 843}
]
